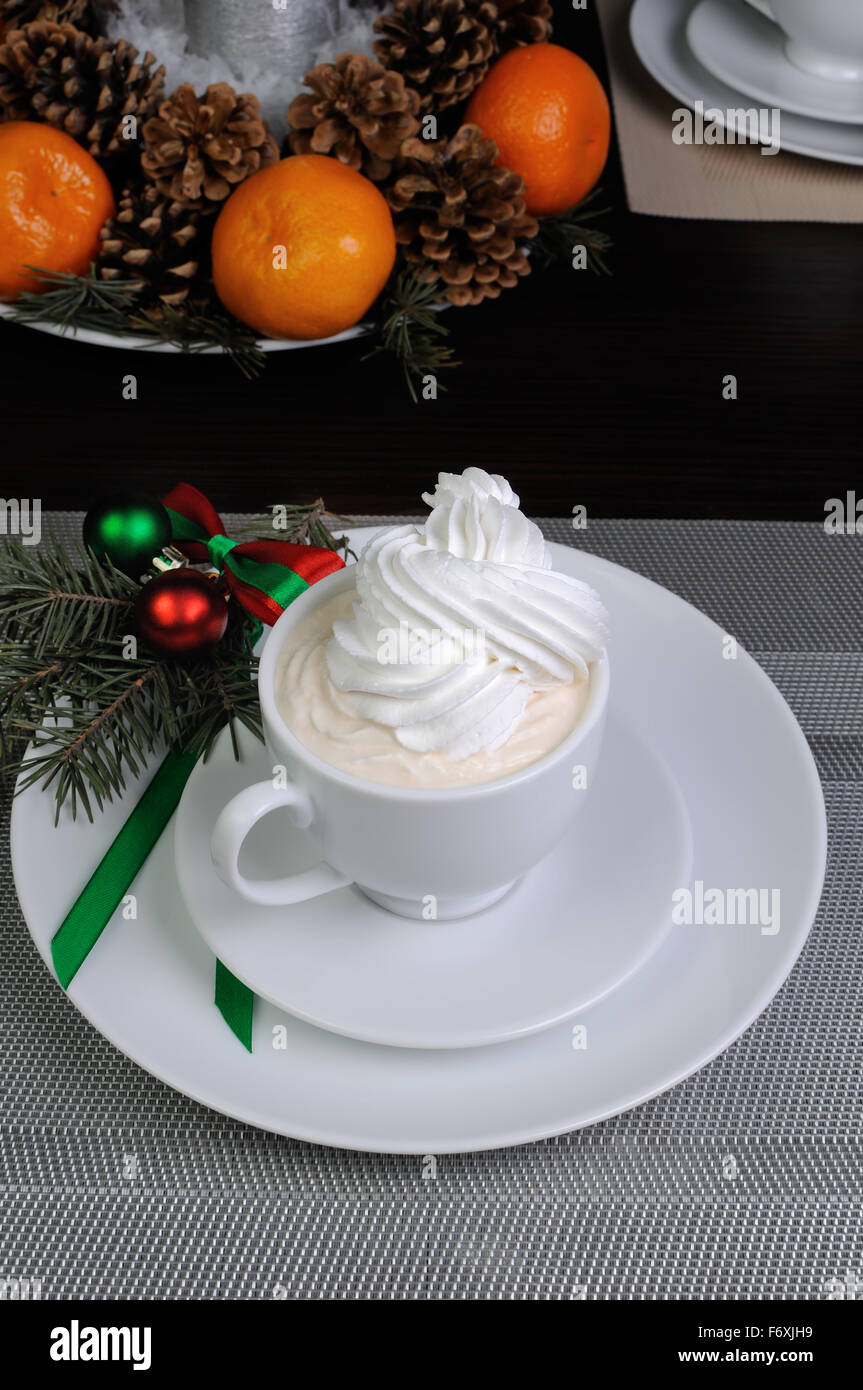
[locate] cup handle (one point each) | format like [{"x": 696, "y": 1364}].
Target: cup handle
[
  {"x": 764, "y": 6},
  {"x": 234, "y": 824}
]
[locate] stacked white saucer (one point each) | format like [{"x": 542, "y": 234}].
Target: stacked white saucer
[{"x": 802, "y": 59}]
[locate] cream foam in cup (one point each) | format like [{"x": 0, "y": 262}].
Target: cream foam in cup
[
  {"x": 491, "y": 631},
  {"x": 324, "y": 721}
]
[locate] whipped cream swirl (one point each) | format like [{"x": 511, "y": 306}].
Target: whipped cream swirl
[{"x": 459, "y": 622}]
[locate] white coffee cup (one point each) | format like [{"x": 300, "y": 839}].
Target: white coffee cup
[
  {"x": 440, "y": 853},
  {"x": 824, "y": 37}
]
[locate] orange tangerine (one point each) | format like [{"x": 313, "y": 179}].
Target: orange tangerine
[
  {"x": 54, "y": 198},
  {"x": 547, "y": 112},
  {"x": 304, "y": 248}
]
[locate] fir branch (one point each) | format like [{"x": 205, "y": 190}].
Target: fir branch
[
  {"x": 77, "y": 758},
  {"x": 53, "y": 602},
  {"x": 75, "y": 748},
  {"x": 408, "y": 324},
  {"x": 320, "y": 534},
  {"x": 560, "y": 234},
  {"x": 233, "y": 697},
  {"x": 27, "y": 681},
  {"x": 195, "y": 328},
  {"x": 406, "y": 321},
  {"x": 113, "y": 306},
  {"x": 90, "y": 732},
  {"x": 306, "y": 522},
  {"x": 77, "y": 301},
  {"x": 92, "y": 713}
]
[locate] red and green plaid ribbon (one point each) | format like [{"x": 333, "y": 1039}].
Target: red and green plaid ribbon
[{"x": 264, "y": 576}]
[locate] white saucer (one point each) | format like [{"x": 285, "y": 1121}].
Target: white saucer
[
  {"x": 742, "y": 47},
  {"x": 658, "y": 29},
  {"x": 757, "y": 815},
  {"x": 576, "y": 927}
]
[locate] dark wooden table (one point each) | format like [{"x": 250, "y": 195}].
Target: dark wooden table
[{"x": 580, "y": 389}]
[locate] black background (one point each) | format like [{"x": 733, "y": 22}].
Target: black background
[{"x": 579, "y": 389}]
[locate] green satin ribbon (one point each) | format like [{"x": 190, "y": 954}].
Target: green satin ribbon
[
  {"x": 236, "y": 1003},
  {"x": 182, "y": 529},
  {"x": 218, "y": 547},
  {"x": 108, "y": 885}
]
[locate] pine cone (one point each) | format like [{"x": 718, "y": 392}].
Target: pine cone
[
  {"x": 358, "y": 111},
  {"x": 85, "y": 86},
  {"x": 81, "y": 13},
  {"x": 522, "y": 22},
  {"x": 153, "y": 240},
  {"x": 461, "y": 214},
  {"x": 200, "y": 148},
  {"x": 443, "y": 48}
]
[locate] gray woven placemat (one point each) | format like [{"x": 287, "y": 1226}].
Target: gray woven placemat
[{"x": 115, "y": 1186}]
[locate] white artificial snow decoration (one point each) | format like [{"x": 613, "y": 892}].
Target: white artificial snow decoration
[{"x": 274, "y": 78}]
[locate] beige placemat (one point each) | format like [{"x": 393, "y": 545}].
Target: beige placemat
[{"x": 731, "y": 182}]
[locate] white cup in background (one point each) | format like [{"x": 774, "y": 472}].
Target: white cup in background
[{"x": 824, "y": 37}]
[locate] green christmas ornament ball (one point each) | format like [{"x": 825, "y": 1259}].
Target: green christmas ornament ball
[{"x": 129, "y": 529}]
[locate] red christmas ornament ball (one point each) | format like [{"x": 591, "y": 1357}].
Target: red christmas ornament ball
[{"x": 181, "y": 613}]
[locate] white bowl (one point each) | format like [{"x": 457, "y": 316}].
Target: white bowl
[{"x": 129, "y": 343}]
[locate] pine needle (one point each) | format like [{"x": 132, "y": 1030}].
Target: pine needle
[
  {"x": 408, "y": 324},
  {"x": 195, "y": 328},
  {"x": 77, "y": 301},
  {"x": 51, "y": 603},
  {"x": 113, "y": 306},
  {"x": 559, "y": 236}
]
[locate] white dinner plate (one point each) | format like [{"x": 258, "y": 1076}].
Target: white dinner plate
[
  {"x": 757, "y": 815},
  {"x": 658, "y": 29},
  {"x": 742, "y": 47},
  {"x": 572, "y": 930}
]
